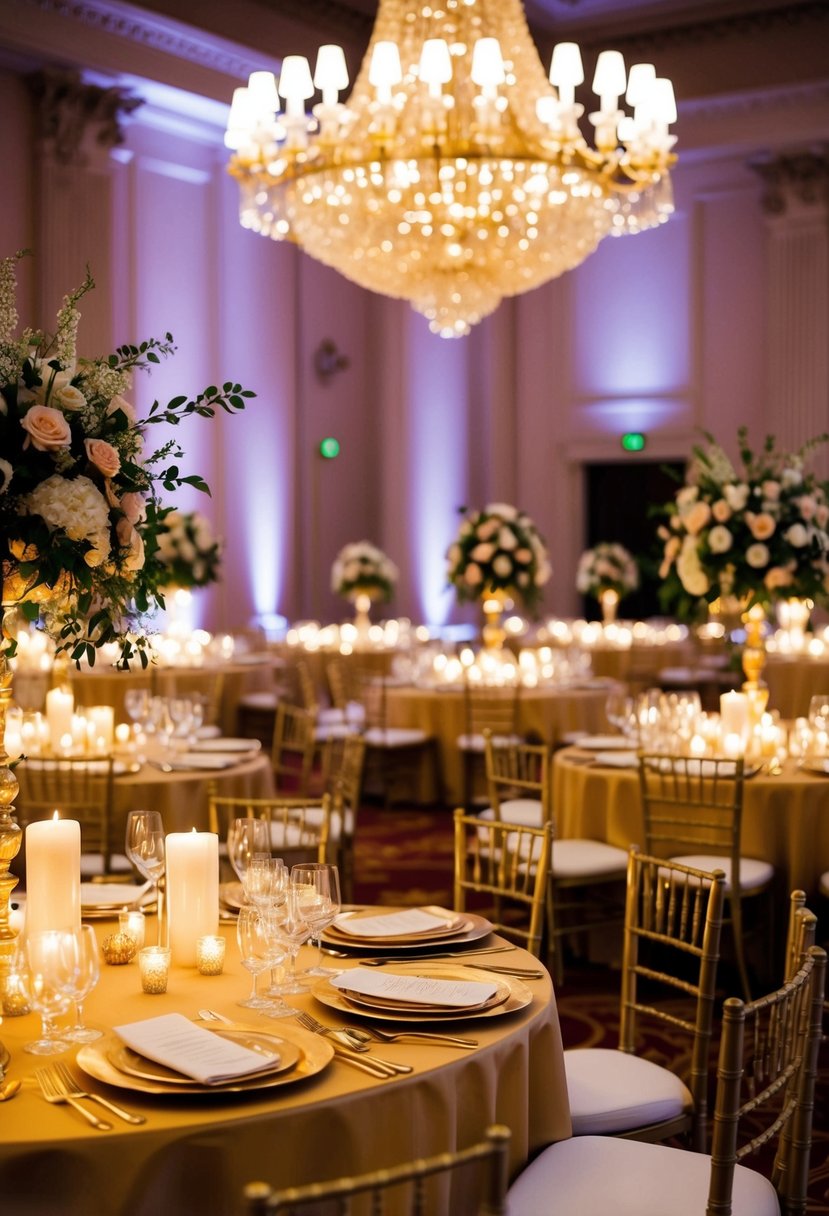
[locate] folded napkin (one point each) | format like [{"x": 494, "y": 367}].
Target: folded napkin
[
  {"x": 392, "y": 924},
  {"x": 112, "y": 894},
  {"x": 414, "y": 989},
  {"x": 177, "y": 1043},
  {"x": 188, "y": 760}
]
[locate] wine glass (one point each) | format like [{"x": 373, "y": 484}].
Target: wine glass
[
  {"x": 318, "y": 890},
  {"x": 255, "y": 952},
  {"x": 145, "y": 849},
  {"x": 245, "y": 837},
  {"x": 79, "y": 955},
  {"x": 619, "y": 709},
  {"x": 291, "y": 928},
  {"x": 47, "y": 982}
]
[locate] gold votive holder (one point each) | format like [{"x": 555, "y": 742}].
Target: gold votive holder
[
  {"x": 131, "y": 923},
  {"x": 210, "y": 954},
  {"x": 154, "y": 965},
  {"x": 118, "y": 948}
]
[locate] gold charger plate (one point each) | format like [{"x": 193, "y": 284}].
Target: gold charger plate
[
  {"x": 135, "y": 1065},
  {"x": 477, "y": 927},
  {"x": 315, "y": 1053},
  {"x": 518, "y": 997},
  {"x": 390, "y": 1005}
]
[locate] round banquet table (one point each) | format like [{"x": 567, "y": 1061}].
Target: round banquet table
[
  {"x": 194, "y": 1154},
  {"x": 793, "y": 680},
  {"x": 785, "y": 817},
  {"x": 547, "y": 714}
]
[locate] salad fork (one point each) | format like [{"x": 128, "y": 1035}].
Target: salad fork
[
  {"x": 52, "y": 1092},
  {"x": 64, "y": 1080}
]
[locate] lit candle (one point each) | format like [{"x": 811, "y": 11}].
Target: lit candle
[
  {"x": 698, "y": 746},
  {"x": 733, "y": 745},
  {"x": 53, "y": 874},
  {"x": 122, "y": 734},
  {"x": 192, "y": 891},
  {"x": 734, "y": 713},
  {"x": 59, "y": 706},
  {"x": 154, "y": 966},
  {"x": 132, "y": 923},
  {"x": 210, "y": 954},
  {"x": 101, "y": 720}
]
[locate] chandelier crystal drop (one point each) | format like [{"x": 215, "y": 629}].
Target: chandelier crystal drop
[{"x": 456, "y": 174}]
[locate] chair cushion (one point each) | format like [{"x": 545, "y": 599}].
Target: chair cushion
[
  {"x": 290, "y": 836},
  {"x": 259, "y": 700},
  {"x": 586, "y": 858},
  {"x": 475, "y": 743},
  {"x": 753, "y": 873},
  {"x": 395, "y": 736},
  {"x": 527, "y": 812},
  {"x": 603, "y": 1176},
  {"x": 332, "y": 730},
  {"x": 613, "y": 1091},
  {"x": 330, "y": 715}
]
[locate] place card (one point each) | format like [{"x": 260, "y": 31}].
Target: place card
[
  {"x": 414, "y": 989},
  {"x": 174, "y": 1041},
  {"x": 391, "y": 924}
]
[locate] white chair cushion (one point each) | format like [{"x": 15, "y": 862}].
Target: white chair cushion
[
  {"x": 290, "y": 836},
  {"x": 753, "y": 873},
  {"x": 475, "y": 743},
  {"x": 586, "y": 858},
  {"x": 332, "y": 730},
  {"x": 603, "y": 1176},
  {"x": 395, "y": 736},
  {"x": 259, "y": 700},
  {"x": 527, "y": 812},
  {"x": 612, "y": 1091},
  {"x": 313, "y": 817},
  {"x": 330, "y": 715}
]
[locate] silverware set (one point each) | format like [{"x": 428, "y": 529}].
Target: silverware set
[
  {"x": 58, "y": 1085},
  {"x": 350, "y": 1050}
]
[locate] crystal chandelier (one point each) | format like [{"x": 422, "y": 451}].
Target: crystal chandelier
[{"x": 456, "y": 173}]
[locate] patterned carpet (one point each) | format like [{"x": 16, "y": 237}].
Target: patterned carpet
[{"x": 406, "y": 857}]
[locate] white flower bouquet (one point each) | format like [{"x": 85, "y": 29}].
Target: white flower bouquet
[
  {"x": 79, "y": 505},
  {"x": 498, "y": 548},
  {"x": 607, "y": 567},
  {"x": 360, "y": 568},
  {"x": 758, "y": 533},
  {"x": 187, "y": 550}
]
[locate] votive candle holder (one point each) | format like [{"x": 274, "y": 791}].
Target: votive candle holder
[
  {"x": 132, "y": 923},
  {"x": 210, "y": 954},
  {"x": 154, "y": 965}
]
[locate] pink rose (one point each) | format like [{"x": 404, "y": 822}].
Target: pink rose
[
  {"x": 488, "y": 528},
  {"x": 473, "y": 575},
  {"x": 103, "y": 455},
  {"x": 778, "y": 576},
  {"x": 47, "y": 429},
  {"x": 761, "y": 526},
  {"x": 130, "y": 539},
  {"x": 696, "y": 519},
  {"x": 807, "y": 506},
  {"x": 721, "y": 511},
  {"x": 134, "y": 507}
]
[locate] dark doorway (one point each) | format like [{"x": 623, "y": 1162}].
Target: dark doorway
[{"x": 619, "y": 498}]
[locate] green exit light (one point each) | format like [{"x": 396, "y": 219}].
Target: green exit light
[
  {"x": 633, "y": 441},
  {"x": 329, "y": 447}
]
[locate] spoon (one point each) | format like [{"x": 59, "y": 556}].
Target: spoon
[{"x": 9, "y": 1090}]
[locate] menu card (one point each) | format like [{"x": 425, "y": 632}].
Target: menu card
[
  {"x": 180, "y": 1044},
  {"x": 391, "y": 924},
  {"x": 414, "y": 989}
]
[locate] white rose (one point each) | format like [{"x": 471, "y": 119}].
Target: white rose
[
  {"x": 507, "y": 539},
  {"x": 68, "y": 397},
  {"x": 736, "y": 496},
  {"x": 797, "y": 536},
  {"x": 691, "y": 574},
  {"x": 719, "y": 539},
  {"x": 757, "y": 556},
  {"x": 501, "y": 508},
  {"x": 482, "y": 552},
  {"x": 502, "y": 565},
  {"x": 687, "y": 496},
  {"x": 792, "y": 477}
]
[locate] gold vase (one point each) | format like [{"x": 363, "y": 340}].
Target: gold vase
[
  {"x": 493, "y": 603},
  {"x": 754, "y": 661},
  {"x": 362, "y": 620},
  {"x": 609, "y": 602},
  {"x": 10, "y": 833}
]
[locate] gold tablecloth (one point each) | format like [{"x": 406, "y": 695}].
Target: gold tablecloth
[
  {"x": 793, "y": 681},
  {"x": 195, "y": 1154},
  {"x": 547, "y": 714},
  {"x": 785, "y": 818}
]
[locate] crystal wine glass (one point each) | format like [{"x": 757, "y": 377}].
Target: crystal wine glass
[
  {"x": 244, "y": 838},
  {"x": 318, "y": 890},
  {"x": 79, "y": 957},
  {"x": 145, "y": 849},
  {"x": 254, "y": 952},
  {"x": 291, "y": 928},
  {"x": 48, "y": 977}
]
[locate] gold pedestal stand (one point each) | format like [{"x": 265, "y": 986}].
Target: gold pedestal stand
[
  {"x": 492, "y": 605},
  {"x": 754, "y": 660},
  {"x": 10, "y": 836},
  {"x": 609, "y": 601}
]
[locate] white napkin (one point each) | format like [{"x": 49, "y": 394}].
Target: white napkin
[
  {"x": 112, "y": 894},
  {"x": 414, "y": 989},
  {"x": 188, "y": 760},
  {"x": 617, "y": 759},
  {"x": 177, "y": 1043},
  {"x": 391, "y": 924}
]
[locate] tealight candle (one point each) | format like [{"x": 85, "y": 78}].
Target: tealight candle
[
  {"x": 132, "y": 923},
  {"x": 154, "y": 966},
  {"x": 210, "y": 954}
]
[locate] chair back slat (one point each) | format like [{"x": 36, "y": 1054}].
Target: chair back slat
[
  {"x": 79, "y": 789},
  {"x": 292, "y": 748},
  {"x": 517, "y": 770},
  {"x": 299, "y": 828}
]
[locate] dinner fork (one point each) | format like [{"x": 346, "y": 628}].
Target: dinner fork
[
  {"x": 385, "y": 1067},
  {"x": 65, "y": 1081},
  {"x": 52, "y": 1093},
  {"x": 365, "y": 1035}
]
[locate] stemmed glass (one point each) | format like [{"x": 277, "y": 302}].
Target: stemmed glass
[
  {"x": 48, "y": 978},
  {"x": 79, "y": 957},
  {"x": 246, "y": 837},
  {"x": 291, "y": 928},
  {"x": 137, "y": 705},
  {"x": 619, "y": 710},
  {"x": 145, "y": 849},
  {"x": 318, "y": 890},
  {"x": 254, "y": 951}
]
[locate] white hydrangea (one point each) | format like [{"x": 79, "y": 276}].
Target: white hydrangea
[{"x": 76, "y": 506}]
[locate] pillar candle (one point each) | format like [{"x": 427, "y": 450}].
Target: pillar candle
[
  {"x": 101, "y": 719},
  {"x": 53, "y": 875},
  {"x": 192, "y": 891},
  {"x": 734, "y": 714},
  {"x": 59, "y": 706}
]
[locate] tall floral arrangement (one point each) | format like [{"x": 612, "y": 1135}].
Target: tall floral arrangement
[
  {"x": 79, "y": 492},
  {"x": 188, "y": 552},
  {"x": 607, "y": 567},
  {"x": 498, "y": 548},
  {"x": 757, "y": 532},
  {"x": 360, "y": 568}
]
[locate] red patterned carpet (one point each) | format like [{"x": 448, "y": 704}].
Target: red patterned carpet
[{"x": 406, "y": 857}]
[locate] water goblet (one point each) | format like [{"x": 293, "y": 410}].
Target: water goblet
[
  {"x": 291, "y": 929},
  {"x": 47, "y": 982},
  {"x": 245, "y": 837},
  {"x": 619, "y": 709},
  {"x": 255, "y": 952},
  {"x": 79, "y": 958},
  {"x": 318, "y": 890},
  {"x": 145, "y": 849}
]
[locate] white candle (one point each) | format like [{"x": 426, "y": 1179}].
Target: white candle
[
  {"x": 59, "y": 706},
  {"x": 192, "y": 891},
  {"x": 53, "y": 875},
  {"x": 79, "y": 733},
  {"x": 734, "y": 713},
  {"x": 733, "y": 745},
  {"x": 101, "y": 720}
]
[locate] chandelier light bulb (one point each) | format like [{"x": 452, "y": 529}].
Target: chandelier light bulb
[
  {"x": 610, "y": 79},
  {"x": 487, "y": 63},
  {"x": 385, "y": 70},
  {"x": 262, "y": 93},
  {"x": 330, "y": 73},
  {"x": 295, "y": 84},
  {"x": 566, "y": 71},
  {"x": 435, "y": 68},
  {"x": 640, "y": 79}
]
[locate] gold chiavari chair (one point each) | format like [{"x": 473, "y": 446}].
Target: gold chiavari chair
[
  {"x": 299, "y": 828},
  {"x": 673, "y": 921},
  {"x": 293, "y": 749},
  {"x": 79, "y": 789},
  {"x": 394, "y": 754},
  {"x": 509, "y": 864},
  {"x": 492, "y": 709},
  {"x": 411, "y": 1183},
  {"x": 209, "y": 685},
  {"x": 693, "y": 814},
  {"x": 343, "y": 760},
  {"x": 801, "y": 932},
  {"x": 767, "y": 1070}
]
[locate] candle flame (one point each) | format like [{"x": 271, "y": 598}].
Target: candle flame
[{"x": 55, "y": 816}]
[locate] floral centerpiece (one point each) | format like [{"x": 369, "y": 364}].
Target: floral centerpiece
[
  {"x": 79, "y": 494},
  {"x": 607, "y": 572},
  {"x": 360, "y": 568},
  {"x": 498, "y": 550},
  {"x": 756, "y": 533},
  {"x": 189, "y": 553}
]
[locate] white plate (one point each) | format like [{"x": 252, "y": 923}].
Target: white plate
[
  {"x": 227, "y": 745},
  {"x": 816, "y": 766},
  {"x": 189, "y": 761},
  {"x": 604, "y": 743},
  {"x": 208, "y": 732},
  {"x": 617, "y": 759}
]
